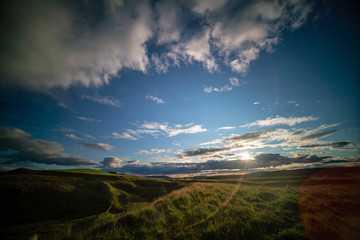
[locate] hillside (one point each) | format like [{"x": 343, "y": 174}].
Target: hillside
[
  {"x": 30, "y": 196},
  {"x": 89, "y": 204}
]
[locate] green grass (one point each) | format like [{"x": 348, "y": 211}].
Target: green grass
[
  {"x": 73, "y": 204},
  {"x": 85, "y": 171}
]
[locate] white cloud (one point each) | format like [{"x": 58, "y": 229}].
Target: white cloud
[
  {"x": 103, "y": 100},
  {"x": 198, "y": 49},
  {"x": 61, "y": 46},
  {"x": 193, "y": 129},
  {"x": 71, "y": 136},
  {"x": 233, "y": 81},
  {"x": 293, "y": 102},
  {"x": 112, "y": 162},
  {"x": 63, "y": 105},
  {"x": 157, "y": 151},
  {"x": 155, "y": 129},
  {"x": 226, "y": 128},
  {"x": 87, "y": 119},
  {"x": 291, "y": 121},
  {"x": 161, "y": 63},
  {"x": 143, "y": 152},
  {"x": 153, "y": 151},
  {"x": 169, "y": 24},
  {"x": 89, "y": 136},
  {"x": 173, "y": 131},
  {"x": 256, "y": 103},
  {"x": 123, "y": 136},
  {"x": 324, "y": 126},
  {"x": 212, "y": 89},
  {"x": 155, "y": 99}
]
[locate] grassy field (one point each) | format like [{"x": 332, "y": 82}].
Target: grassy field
[{"x": 89, "y": 204}]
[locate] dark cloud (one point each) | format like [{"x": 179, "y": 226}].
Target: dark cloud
[
  {"x": 97, "y": 146},
  {"x": 332, "y": 145},
  {"x": 299, "y": 132},
  {"x": 252, "y": 136},
  {"x": 318, "y": 134},
  {"x": 273, "y": 160},
  {"x": 132, "y": 162},
  {"x": 260, "y": 161},
  {"x": 19, "y": 146},
  {"x": 201, "y": 151}
]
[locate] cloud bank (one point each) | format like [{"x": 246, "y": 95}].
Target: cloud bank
[
  {"x": 232, "y": 146},
  {"x": 17, "y": 146},
  {"x": 210, "y": 167}
]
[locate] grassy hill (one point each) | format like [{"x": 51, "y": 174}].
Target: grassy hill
[{"x": 90, "y": 204}]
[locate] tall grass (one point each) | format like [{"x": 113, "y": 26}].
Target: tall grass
[
  {"x": 73, "y": 205},
  {"x": 205, "y": 211}
]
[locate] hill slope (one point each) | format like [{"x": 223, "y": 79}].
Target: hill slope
[{"x": 74, "y": 204}]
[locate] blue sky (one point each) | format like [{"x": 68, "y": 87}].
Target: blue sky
[{"x": 179, "y": 87}]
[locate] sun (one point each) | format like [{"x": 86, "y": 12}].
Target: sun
[{"x": 245, "y": 156}]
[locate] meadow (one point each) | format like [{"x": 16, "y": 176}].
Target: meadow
[{"x": 89, "y": 204}]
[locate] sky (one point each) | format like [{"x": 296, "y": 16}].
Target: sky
[{"x": 179, "y": 88}]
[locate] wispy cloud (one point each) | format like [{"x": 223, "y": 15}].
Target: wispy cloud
[
  {"x": 71, "y": 136},
  {"x": 293, "y": 102},
  {"x": 291, "y": 121},
  {"x": 325, "y": 126},
  {"x": 256, "y": 103},
  {"x": 155, "y": 99},
  {"x": 153, "y": 151},
  {"x": 193, "y": 129},
  {"x": 332, "y": 145},
  {"x": 234, "y": 82},
  {"x": 317, "y": 135},
  {"x": 87, "y": 119},
  {"x": 63, "y": 129},
  {"x": 247, "y": 140},
  {"x": 28, "y": 149},
  {"x": 88, "y": 136},
  {"x": 225, "y": 128},
  {"x": 156, "y": 129},
  {"x": 123, "y": 136},
  {"x": 105, "y": 100},
  {"x": 63, "y": 105},
  {"x": 97, "y": 146},
  {"x": 213, "y": 89}
]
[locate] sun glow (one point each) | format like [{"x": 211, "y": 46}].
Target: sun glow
[{"x": 245, "y": 156}]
